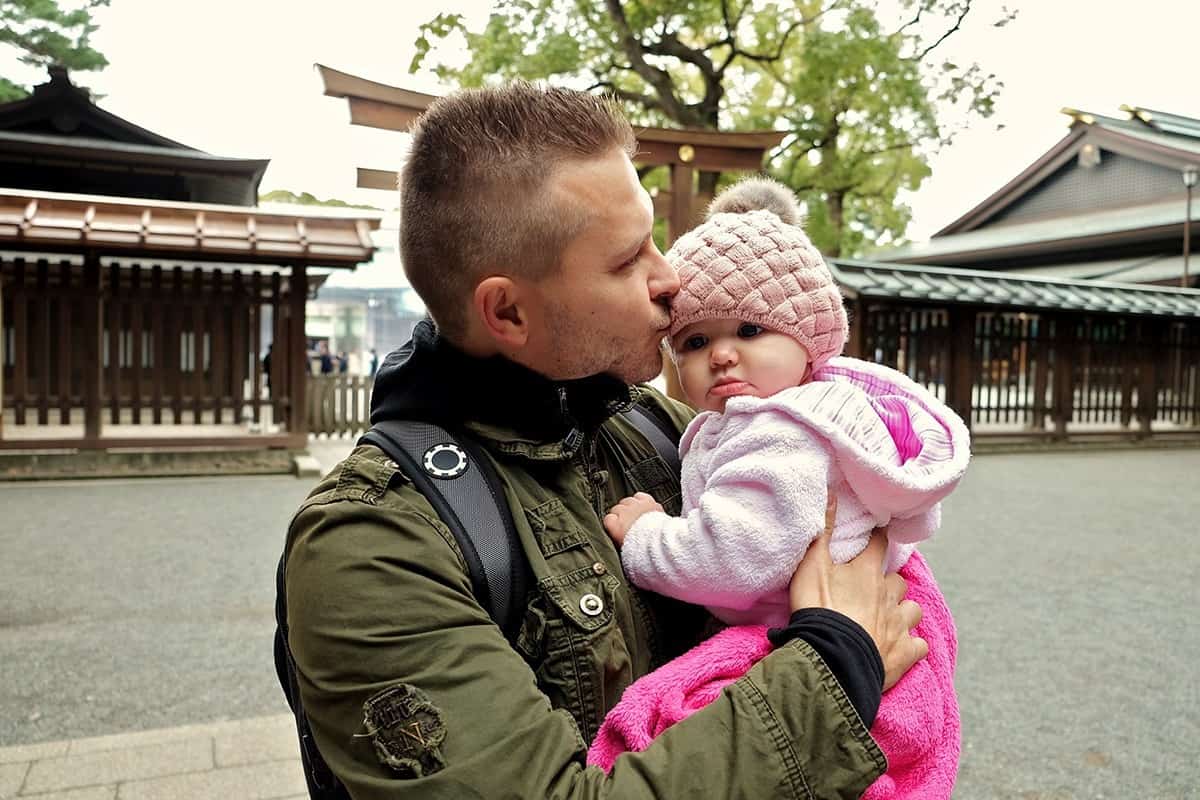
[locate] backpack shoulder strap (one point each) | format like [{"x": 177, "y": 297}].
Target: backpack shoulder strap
[
  {"x": 461, "y": 484},
  {"x": 664, "y": 438}
]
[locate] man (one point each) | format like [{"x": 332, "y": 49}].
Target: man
[{"x": 528, "y": 236}]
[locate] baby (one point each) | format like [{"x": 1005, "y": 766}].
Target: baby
[{"x": 756, "y": 331}]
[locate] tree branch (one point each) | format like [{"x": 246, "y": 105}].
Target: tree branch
[
  {"x": 957, "y": 24},
  {"x": 658, "y": 79},
  {"x": 648, "y": 102}
]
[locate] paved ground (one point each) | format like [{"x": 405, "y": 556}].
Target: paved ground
[{"x": 131, "y": 606}]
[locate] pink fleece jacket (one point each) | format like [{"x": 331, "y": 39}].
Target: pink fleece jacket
[
  {"x": 917, "y": 726},
  {"x": 756, "y": 479}
]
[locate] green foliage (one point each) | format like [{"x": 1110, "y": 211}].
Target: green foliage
[
  {"x": 861, "y": 102},
  {"x": 306, "y": 199},
  {"x": 46, "y": 35}
]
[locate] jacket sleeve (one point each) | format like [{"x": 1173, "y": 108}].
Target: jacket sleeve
[
  {"x": 412, "y": 691},
  {"x": 748, "y": 528}
]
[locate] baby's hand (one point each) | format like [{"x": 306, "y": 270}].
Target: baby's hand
[{"x": 620, "y": 518}]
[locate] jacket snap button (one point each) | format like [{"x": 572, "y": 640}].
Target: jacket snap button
[
  {"x": 599, "y": 568},
  {"x": 591, "y": 605}
]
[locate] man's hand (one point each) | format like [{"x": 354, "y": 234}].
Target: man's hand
[
  {"x": 861, "y": 591},
  {"x": 620, "y": 518}
]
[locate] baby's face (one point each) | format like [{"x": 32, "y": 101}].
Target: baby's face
[{"x": 722, "y": 358}]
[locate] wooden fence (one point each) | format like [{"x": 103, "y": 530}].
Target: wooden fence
[
  {"x": 339, "y": 405},
  {"x": 146, "y": 344},
  {"x": 1044, "y": 373}
]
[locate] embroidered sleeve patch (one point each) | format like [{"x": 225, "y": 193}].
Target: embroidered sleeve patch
[{"x": 407, "y": 730}]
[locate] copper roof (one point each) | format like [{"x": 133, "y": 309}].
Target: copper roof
[{"x": 47, "y": 221}]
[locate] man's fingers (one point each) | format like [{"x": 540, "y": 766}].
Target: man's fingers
[
  {"x": 830, "y": 513},
  {"x": 911, "y": 613},
  {"x": 895, "y": 588},
  {"x": 920, "y": 648},
  {"x": 876, "y": 551}
]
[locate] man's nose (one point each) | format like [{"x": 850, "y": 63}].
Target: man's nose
[{"x": 664, "y": 280}]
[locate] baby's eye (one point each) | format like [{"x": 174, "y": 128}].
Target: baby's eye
[
  {"x": 748, "y": 330},
  {"x": 694, "y": 342}
]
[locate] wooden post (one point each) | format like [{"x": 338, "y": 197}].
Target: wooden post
[
  {"x": 1128, "y": 360},
  {"x": 1041, "y": 375},
  {"x": 199, "y": 381},
  {"x": 256, "y": 367},
  {"x": 857, "y": 312},
  {"x": 41, "y": 346},
  {"x": 93, "y": 331},
  {"x": 158, "y": 341},
  {"x": 1150, "y": 342},
  {"x": 116, "y": 322},
  {"x": 238, "y": 348},
  {"x": 961, "y": 377},
  {"x": 136, "y": 354},
  {"x": 279, "y": 354},
  {"x": 20, "y": 342},
  {"x": 65, "y": 323},
  {"x": 3, "y": 345},
  {"x": 681, "y": 201},
  {"x": 1064, "y": 373},
  {"x": 297, "y": 350}
]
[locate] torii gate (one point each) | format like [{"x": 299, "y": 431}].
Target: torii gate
[{"x": 377, "y": 105}]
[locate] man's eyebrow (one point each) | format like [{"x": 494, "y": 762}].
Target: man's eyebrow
[{"x": 632, "y": 249}]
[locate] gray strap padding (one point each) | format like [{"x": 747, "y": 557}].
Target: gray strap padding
[
  {"x": 648, "y": 426},
  {"x": 472, "y": 506}
]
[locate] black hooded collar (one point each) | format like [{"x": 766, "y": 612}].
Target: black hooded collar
[{"x": 429, "y": 379}]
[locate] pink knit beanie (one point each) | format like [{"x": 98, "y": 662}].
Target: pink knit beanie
[{"x": 749, "y": 260}]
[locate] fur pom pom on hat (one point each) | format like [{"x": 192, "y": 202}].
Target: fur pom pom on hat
[{"x": 750, "y": 261}]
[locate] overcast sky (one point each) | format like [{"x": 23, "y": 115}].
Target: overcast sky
[{"x": 235, "y": 78}]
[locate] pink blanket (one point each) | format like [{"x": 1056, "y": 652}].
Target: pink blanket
[{"x": 917, "y": 726}]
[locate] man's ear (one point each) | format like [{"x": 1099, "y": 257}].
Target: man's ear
[{"x": 499, "y": 305}]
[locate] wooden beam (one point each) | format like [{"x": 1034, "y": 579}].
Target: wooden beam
[
  {"x": 343, "y": 84},
  {"x": 374, "y": 114},
  {"x": 384, "y": 179},
  {"x": 702, "y": 157}
]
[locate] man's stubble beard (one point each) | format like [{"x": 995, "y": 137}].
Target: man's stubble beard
[{"x": 583, "y": 354}]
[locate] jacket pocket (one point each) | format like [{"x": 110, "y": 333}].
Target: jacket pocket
[
  {"x": 654, "y": 477},
  {"x": 570, "y": 637}
]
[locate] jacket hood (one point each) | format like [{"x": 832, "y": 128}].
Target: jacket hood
[
  {"x": 431, "y": 380},
  {"x": 900, "y": 448}
]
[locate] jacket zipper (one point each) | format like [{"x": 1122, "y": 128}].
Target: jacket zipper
[{"x": 580, "y": 443}]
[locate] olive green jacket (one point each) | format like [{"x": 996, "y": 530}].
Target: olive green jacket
[{"x": 413, "y": 692}]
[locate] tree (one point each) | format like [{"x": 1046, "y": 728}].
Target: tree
[
  {"x": 45, "y": 35},
  {"x": 861, "y": 102},
  {"x": 306, "y": 199}
]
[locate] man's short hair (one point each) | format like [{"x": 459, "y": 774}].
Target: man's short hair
[{"x": 473, "y": 191}]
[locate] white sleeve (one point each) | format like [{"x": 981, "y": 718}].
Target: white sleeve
[{"x": 760, "y": 508}]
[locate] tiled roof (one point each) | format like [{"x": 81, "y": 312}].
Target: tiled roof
[{"x": 874, "y": 279}]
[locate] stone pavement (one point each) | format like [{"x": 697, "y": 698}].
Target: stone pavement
[
  {"x": 254, "y": 759},
  {"x": 135, "y": 605}
]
